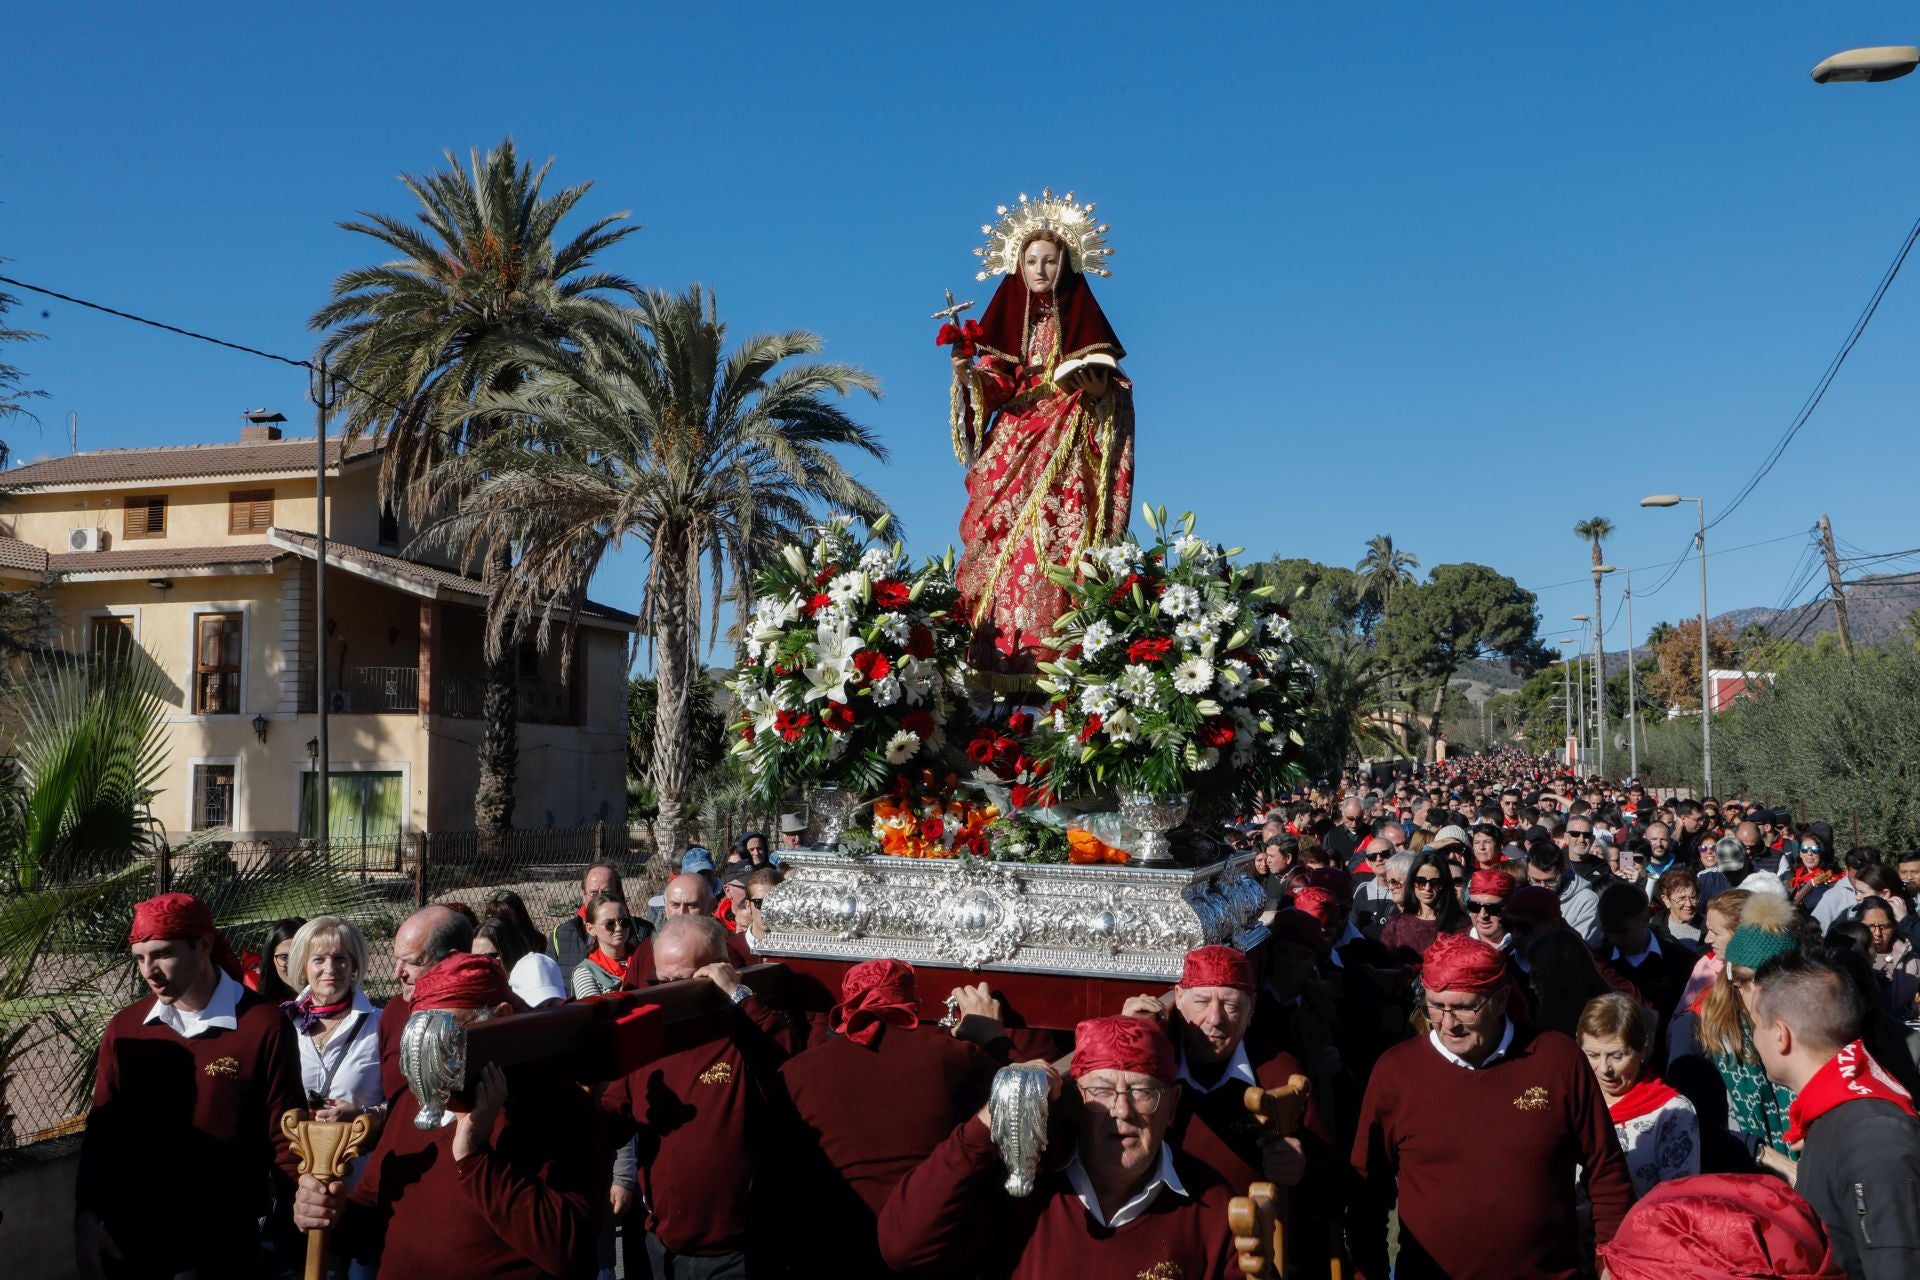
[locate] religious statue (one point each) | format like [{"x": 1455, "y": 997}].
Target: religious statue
[{"x": 1043, "y": 422}]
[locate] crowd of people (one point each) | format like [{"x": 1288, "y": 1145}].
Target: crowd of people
[{"x": 1552, "y": 1027}]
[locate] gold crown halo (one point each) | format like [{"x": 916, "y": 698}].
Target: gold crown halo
[{"x": 1086, "y": 241}]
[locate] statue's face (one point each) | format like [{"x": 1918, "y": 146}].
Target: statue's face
[{"x": 1041, "y": 264}]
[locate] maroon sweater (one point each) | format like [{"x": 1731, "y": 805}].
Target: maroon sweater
[
  {"x": 528, "y": 1205},
  {"x": 393, "y": 1023},
  {"x": 952, "y": 1213},
  {"x": 201, "y": 1114},
  {"x": 1482, "y": 1162},
  {"x": 843, "y": 1164},
  {"x": 706, "y": 1119}
]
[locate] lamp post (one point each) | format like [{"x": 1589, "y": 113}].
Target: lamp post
[
  {"x": 1633, "y": 701},
  {"x": 1599, "y": 685},
  {"x": 1581, "y": 683},
  {"x": 1706, "y": 689},
  {"x": 1883, "y": 62},
  {"x": 1566, "y": 688}
]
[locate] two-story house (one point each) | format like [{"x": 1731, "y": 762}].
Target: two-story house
[{"x": 203, "y": 557}]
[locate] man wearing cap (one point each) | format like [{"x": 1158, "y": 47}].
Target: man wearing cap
[
  {"x": 1481, "y": 1101},
  {"x": 190, "y": 1084},
  {"x": 882, "y": 1061},
  {"x": 1124, "y": 1204},
  {"x": 512, "y": 1187},
  {"x": 704, "y": 1115}
]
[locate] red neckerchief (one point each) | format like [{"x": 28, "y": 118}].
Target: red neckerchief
[
  {"x": 1819, "y": 875},
  {"x": 615, "y": 967},
  {"x": 724, "y": 914},
  {"x": 1649, "y": 1094},
  {"x": 1851, "y": 1075}
]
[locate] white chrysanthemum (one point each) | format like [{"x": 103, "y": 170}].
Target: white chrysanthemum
[
  {"x": 1277, "y": 743},
  {"x": 895, "y": 627},
  {"x": 1222, "y": 612},
  {"x": 836, "y": 616},
  {"x": 1059, "y": 720},
  {"x": 1280, "y": 628},
  {"x": 1196, "y": 551},
  {"x": 886, "y": 691},
  {"x": 1117, "y": 560},
  {"x": 1098, "y": 700},
  {"x": 876, "y": 562},
  {"x": 1179, "y": 601},
  {"x": 1194, "y": 676},
  {"x": 1208, "y": 757},
  {"x": 1098, "y": 635},
  {"x": 847, "y": 588},
  {"x": 1193, "y": 633},
  {"x": 901, "y": 746},
  {"x": 1233, "y": 675},
  {"x": 1122, "y": 725},
  {"x": 1136, "y": 684}
]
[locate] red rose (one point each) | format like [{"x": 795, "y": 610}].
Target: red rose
[
  {"x": 1022, "y": 764},
  {"x": 918, "y": 722},
  {"x": 872, "y": 664},
  {"x": 837, "y": 716},
  {"x": 888, "y": 594},
  {"x": 1214, "y": 732},
  {"x": 1041, "y": 768},
  {"x": 1020, "y": 723},
  {"x": 816, "y": 604},
  {"x": 1149, "y": 649},
  {"x": 933, "y": 828},
  {"x": 1093, "y": 725},
  {"x": 791, "y": 723},
  {"x": 980, "y": 751},
  {"x": 1021, "y": 796},
  {"x": 919, "y": 641}
]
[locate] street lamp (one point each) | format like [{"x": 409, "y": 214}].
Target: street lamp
[
  {"x": 1583, "y": 620},
  {"x": 1599, "y": 685},
  {"x": 1883, "y": 62},
  {"x": 1706, "y": 691},
  {"x": 1566, "y": 687},
  {"x": 1633, "y": 701}
]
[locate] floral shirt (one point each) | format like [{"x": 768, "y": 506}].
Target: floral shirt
[{"x": 1661, "y": 1145}]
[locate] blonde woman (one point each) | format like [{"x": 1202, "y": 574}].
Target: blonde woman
[{"x": 337, "y": 1028}]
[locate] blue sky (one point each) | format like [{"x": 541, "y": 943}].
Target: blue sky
[{"x": 1462, "y": 274}]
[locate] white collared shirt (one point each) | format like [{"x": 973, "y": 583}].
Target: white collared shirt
[
  {"x": 1499, "y": 1050},
  {"x": 349, "y": 1066},
  {"x": 1238, "y": 1068},
  {"x": 222, "y": 1011},
  {"x": 1505, "y": 943},
  {"x": 1163, "y": 1176}
]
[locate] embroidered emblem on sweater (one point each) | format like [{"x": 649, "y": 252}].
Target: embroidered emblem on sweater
[
  {"x": 224, "y": 1068},
  {"x": 718, "y": 1073},
  {"x": 1534, "y": 1099},
  {"x": 1163, "y": 1271}
]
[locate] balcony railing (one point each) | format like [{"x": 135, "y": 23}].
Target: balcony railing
[
  {"x": 382, "y": 690},
  {"x": 464, "y": 697}
]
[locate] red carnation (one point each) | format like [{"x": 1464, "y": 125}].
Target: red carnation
[
  {"x": 1124, "y": 589},
  {"x": 1022, "y": 764},
  {"x": 816, "y": 604},
  {"x": 837, "y": 716},
  {"x": 888, "y": 594},
  {"x": 791, "y": 723},
  {"x": 1020, "y": 723},
  {"x": 1214, "y": 732},
  {"x": 823, "y": 577},
  {"x": 933, "y": 828},
  {"x": 1093, "y": 725},
  {"x": 919, "y": 641},
  {"x": 1021, "y": 796},
  {"x": 918, "y": 722},
  {"x": 1149, "y": 649},
  {"x": 872, "y": 664}
]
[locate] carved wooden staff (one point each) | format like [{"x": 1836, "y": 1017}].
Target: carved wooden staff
[
  {"x": 325, "y": 1148},
  {"x": 1259, "y": 1218}
]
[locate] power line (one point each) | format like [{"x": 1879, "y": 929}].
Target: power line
[
  {"x": 1826, "y": 379},
  {"x": 1684, "y": 558},
  {"x": 159, "y": 324}
]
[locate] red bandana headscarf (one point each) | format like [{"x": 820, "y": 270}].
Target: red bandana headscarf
[
  {"x": 1851, "y": 1075},
  {"x": 1318, "y": 903},
  {"x": 181, "y": 915},
  {"x": 1718, "y": 1225},
  {"x": 875, "y": 995},
  {"x": 1490, "y": 884},
  {"x": 462, "y": 981},
  {"x": 1456, "y": 962},
  {"x": 1217, "y": 967},
  {"x": 1121, "y": 1043}
]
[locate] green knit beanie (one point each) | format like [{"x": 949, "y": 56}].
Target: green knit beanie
[{"x": 1766, "y": 930}]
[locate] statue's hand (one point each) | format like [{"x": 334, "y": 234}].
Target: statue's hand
[
  {"x": 960, "y": 366},
  {"x": 1093, "y": 379}
]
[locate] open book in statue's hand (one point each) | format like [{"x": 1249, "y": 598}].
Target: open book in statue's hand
[{"x": 1084, "y": 364}]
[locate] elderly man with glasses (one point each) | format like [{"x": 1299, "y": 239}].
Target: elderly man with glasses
[
  {"x": 1126, "y": 1204},
  {"x": 1481, "y": 1101}
]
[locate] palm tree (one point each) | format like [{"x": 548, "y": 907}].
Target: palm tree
[
  {"x": 1353, "y": 710},
  {"x": 698, "y": 453},
  {"x": 1382, "y": 569},
  {"x": 479, "y": 293},
  {"x": 1595, "y": 532}
]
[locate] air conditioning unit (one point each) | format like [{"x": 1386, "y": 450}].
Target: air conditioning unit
[
  {"x": 340, "y": 701},
  {"x": 85, "y": 539}
]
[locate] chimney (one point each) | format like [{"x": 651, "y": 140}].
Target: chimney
[{"x": 262, "y": 425}]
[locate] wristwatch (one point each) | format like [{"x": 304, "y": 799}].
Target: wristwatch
[{"x": 740, "y": 995}]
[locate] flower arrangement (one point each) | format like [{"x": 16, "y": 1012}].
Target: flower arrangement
[
  {"x": 1176, "y": 675},
  {"x": 851, "y": 662},
  {"x": 933, "y": 824}
]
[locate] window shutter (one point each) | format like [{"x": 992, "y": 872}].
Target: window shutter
[
  {"x": 250, "y": 511},
  {"x": 146, "y": 517}
]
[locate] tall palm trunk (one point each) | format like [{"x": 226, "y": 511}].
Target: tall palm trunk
[
  {"x": 1600, "y": 658},
  {"x": 1434, "y": 723},
  {"x": 500, "y": 740},
  {"x": 674, "y": 642}
]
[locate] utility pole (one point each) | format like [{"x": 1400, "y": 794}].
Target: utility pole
[
  {"x": 320, "y": 797},
  {"x": 1633, "y": 702},
  {"x": 1839, "y": 588}
]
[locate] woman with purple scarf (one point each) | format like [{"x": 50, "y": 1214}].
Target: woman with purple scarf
[{"x": 339, "y": 1029}]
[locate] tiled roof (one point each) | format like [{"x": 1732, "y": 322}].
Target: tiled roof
[
  {"x": 379, "y": 563},
  {"x": 15, "y": 554},
  {"x": 145, "y": 559},
  {"x": 180, "y": 462}
]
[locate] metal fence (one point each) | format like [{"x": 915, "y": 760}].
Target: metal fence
[{"x": 378, "y": 883}]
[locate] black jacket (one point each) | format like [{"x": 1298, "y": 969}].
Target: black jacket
[{"x": 1860, "y": 1170}]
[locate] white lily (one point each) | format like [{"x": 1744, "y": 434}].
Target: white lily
[{"x": 833, "y": 664}]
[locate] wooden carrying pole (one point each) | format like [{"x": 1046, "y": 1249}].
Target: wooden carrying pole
[{"x": 325, "y": 1148}]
